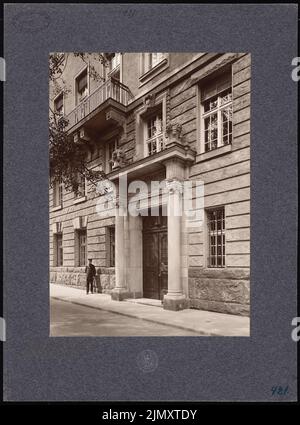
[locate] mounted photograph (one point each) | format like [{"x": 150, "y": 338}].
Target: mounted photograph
[{"x": 149, "y": 194}]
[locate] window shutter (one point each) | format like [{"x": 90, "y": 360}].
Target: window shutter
[{"x": 216, "y": 86}]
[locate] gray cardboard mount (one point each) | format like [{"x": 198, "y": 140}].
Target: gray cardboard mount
[{"x": 40, "y": 368}]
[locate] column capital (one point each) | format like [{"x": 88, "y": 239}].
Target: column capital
[
  {"x": 174, "y": 186},
  {"x": 175, "y": 168}
]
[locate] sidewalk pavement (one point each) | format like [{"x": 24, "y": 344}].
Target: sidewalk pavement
[{"x": 199, "y": 321}]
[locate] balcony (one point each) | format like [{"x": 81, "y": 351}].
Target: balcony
[
  {"x": 92, "y": 111},
  {"x": 162, "y": 149}
]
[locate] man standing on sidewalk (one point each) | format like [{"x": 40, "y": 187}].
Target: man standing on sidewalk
[{"x": 90, "y": 274}]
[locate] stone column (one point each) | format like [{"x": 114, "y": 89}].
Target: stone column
[
  {"x": 135, "y": 259},
  {"x": 175, "y": 298},
  {"x": 120, "y": 291}
]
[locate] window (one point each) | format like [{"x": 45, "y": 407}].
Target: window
[
  {"x": 111, "y": 146},
  {"x": 82, "y": 248},
  {"x": 150, "y": 60},
  {"x": 111, "y": 246},
  {"x": 59, "y": 249},
  {"x": 81, "y": 186},
  {"x": 217, "y": 114},
  {"x": 58, "y": 193},
  {"x": 114, "y": 64},
  {"x": 82, "y": 86},
  {"x": 154, "y": 137},
  {"x": 59, "y": 104},
  {"x": 154, "y": 59},
  {"x": 216, "y": 237}
]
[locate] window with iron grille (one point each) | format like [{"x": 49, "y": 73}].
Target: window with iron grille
[
  {"x": 82, "y": 248},
  {"x": 111, "y": 246},
  {"x": 216, "y": 237},
  {"x": 59, "y": 249},
  {"x": 154, "y": 134},
  {"x": 217, "y": 113}
]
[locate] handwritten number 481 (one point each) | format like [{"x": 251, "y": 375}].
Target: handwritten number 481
[{"x": 278, "y": 390}]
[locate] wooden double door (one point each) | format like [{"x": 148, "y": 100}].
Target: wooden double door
[{"x": 155, "y": 257}]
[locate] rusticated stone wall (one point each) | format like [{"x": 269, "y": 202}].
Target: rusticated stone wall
[
  {"x": 224, "y": 290},
  {"x": 76, "y": 277}
]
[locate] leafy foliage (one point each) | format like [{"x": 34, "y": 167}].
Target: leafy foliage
[{"x": 68, "y": 159}]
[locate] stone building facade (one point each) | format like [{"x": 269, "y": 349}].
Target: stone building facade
[{"x": 172, "y": 118}]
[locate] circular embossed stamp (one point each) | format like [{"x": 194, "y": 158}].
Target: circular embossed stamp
[
  {"x": 32, "y": 21},
  {"x": 147, "y": 361}
]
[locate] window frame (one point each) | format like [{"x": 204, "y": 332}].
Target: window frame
[
  {"x": 222, "y": 81},
  {"x": 111, "y": 257},
  {"x": 61, "y": 94},
  {"x": 160, "y": 145},
  {"x": 141, "y": 115},
  {"x": 114, "y": 140},
  {"x": 78, "y": 257},
  {"x": 79, "y": 197},
  {"x": 57, "y": 201},
  {"x": 59, "y": 251},
  {"x": 117, "y": 69},
  {"x": 147, "y": 72},
  {"x": 208, "y": 253},
  {"x": 76, "y": 78},
  {"x": 217, "y": 111}
]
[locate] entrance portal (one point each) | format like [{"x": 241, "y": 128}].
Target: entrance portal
[{"x": 155, "y": 257}]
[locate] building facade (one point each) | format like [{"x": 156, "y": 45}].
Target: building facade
[{"x": 171, "y": 118}]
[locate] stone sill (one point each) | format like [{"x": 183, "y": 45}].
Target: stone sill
[
  {"x": 59, "y": 207},
  {"x": 113, "y": 71},
  {"x": 214, "y": 153},
  {"x": 153, "y": 71},
  {"x": 79, "y": 200},
  {"x": 68, "y": 269}
]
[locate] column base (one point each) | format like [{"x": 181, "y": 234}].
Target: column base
[
  {"x": 175, "y": 302},
  {"x": 119, "y": 294}
]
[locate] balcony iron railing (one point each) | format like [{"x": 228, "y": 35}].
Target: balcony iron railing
[{"x": 110, "y": 89}]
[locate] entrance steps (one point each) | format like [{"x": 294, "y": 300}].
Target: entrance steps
[{"x": 145, "y": 301}]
